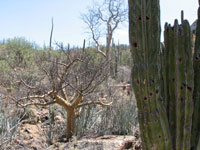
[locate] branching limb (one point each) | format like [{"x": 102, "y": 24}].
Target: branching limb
[
  {"x": 61, "y": 101},
  {"x": 100, "y": 51},
  {"x": 94, "y": 103},
  {"x": 77, "y": 100},
  {"x": 77, "y": 90},
  {"x": 71, "y": 63},
  {"x": 36, "y": 96},
  {"x": 123, "y": 86},
  {"x": 73, "y": 97},
  {"x": 25, "y": 84},
  {"x": 63, "y": 93},
  {"x": 90, "y": 82},
  {"x": 66, "y": 65},
  {"x": 91, "y": 89},
  {"x": 40, "y": 104},
  {"x": 78, "y": 111}
]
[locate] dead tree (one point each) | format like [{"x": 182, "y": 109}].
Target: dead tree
[
  {"x": 102, "y": 20},
  {"x": 65, "y": 80}
]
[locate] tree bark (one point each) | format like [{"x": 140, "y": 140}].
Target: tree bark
[{"x": 70, "y": 130}]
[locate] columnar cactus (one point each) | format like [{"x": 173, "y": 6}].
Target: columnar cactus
[
  {"x": 178, "y": 77},
  {"x": 196, "y": 94},
  {"x": 144, "y": 29},
  {"x": 164, "y": 84}
]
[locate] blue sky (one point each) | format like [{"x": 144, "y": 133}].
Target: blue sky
[{"x": 32, "y": 19}]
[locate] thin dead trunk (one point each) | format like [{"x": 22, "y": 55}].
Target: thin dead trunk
[{"x": 108, "y": 56}]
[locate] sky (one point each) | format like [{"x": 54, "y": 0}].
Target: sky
[{"x": 32, "y": 19}]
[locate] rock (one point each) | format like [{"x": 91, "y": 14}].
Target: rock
[
  {"x": 106, "y": 142},
  {"x": 29, "y": 137},
  {"x": 59, "y": 119}
]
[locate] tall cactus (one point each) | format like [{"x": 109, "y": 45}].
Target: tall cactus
[
  {"x": 196, "y": 94},
  {"x": 144, "y": 30},
  {"x": 179, "y": 82},
  {"x": 163, "y": 85}
]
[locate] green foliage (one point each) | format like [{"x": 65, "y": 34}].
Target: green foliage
[
  {"x": 119, "y": 119},
  {"x": 5, "y": 69},
  {"x": 18, "y": 51},
  {"x": 121, "y": 51}
]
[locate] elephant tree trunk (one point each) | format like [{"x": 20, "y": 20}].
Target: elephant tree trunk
[{"x": 70, "y": 130}]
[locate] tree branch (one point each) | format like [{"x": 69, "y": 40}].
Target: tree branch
[
  {"x": 51, "y": 36},
  {"x": 91, "y": 90},
  {"x": 77, "y": 100},
  {"x": 94, "y": 103},
  {"x": 25, "y": 84},
  {"x": 100, "y": 51},
  {"x": 61, "y": 101},
  {"x": 41, "y": 104},
  {"x": 70, "y": 64},
  {"x": 63, "y": 93},
  {"x": 36, "y": 96}
]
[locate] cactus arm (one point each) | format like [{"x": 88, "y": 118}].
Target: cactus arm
[
  {"x": 154, "y": 66},
  {"x": 165, "y": 69},
  {"x": 163, "y": 104},
  {"x": 180, "y": 81},
  {"x": 189, "y": 85},
  {"x": 171, "y": 85},
  {"x": 171, "y": 41}
]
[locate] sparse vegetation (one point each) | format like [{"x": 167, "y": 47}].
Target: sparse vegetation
[
  {"x": 62, "y": 97},
  {"x": 35, "y": 72}
]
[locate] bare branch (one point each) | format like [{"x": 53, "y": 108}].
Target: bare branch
[
  {"x": 100, "y": 15},
  {"x": 91, "y": 90},
  {"x": 108, "y": 15},
  {"x": 51, "y": 36},
  {"x": 77, "y": 100},
  {"x": 61, "y": 101},
  {"x": 100, "y": 51},
  {"x": 45, "y": 71},
  {"x": 73, "y": 97},
  {"x": 60, "y": 45},
  {"x": 63, "y": 93},
  {"x": 36, "y": 96},
  {"x": 94, "y": 103},
  {"x": 125, "y": 85},
  {"x": 70, "y": 64},
  {"x": 40, "y": 104},
  {"x": 77, "y": 90},
  {"x": 25, "y": 84},
  {"x": 90, "y": 83}
]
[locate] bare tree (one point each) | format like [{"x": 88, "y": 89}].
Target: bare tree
[
  {"x": 65, "y": 82},
  {"x": 106, "y": 16}
]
